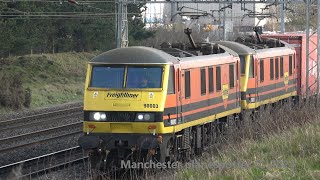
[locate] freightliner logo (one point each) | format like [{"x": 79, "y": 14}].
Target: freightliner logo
[{"x": 122, "y": 95}]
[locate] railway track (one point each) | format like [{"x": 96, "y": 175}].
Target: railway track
[
  {"x": 44, "y": 163},
  {"x": 32, "y": 120},
  {"x": 5, "y": 142},
  {"x": 38, "y": 140}
]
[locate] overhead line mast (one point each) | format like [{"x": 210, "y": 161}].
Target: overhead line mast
[
  {"x": 312, "y": 87},
  {"x": 122, "y": 23}
]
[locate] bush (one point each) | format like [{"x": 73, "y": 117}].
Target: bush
[
  {"x": 13, "y": 94},
  {"x": 27, "y": 98}
]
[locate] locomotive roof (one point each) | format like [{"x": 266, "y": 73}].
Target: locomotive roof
[
  {"x": 134, "y": 55},
  {"x": 237, "y": 47},
  {"x": 182, "y": 50},
  {"x": 242, "y": 49}
]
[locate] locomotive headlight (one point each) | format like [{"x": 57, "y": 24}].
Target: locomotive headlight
[
  {"x": 98, "y": 116},
  {"x": 145, "y": 117},
  {"x": 140, "y": 116}
]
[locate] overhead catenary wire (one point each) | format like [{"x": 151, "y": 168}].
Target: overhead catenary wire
[{"x": 161, "y": 1}]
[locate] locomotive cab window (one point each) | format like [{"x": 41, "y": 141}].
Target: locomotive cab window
[
  {"x": 231, "y": 74},
  {"x": 237, "y": 71},
  {"x": 277, "y": 67},
  {"x": 210, "y": 79},
  {"x": 107, "y": 76},
  {"x": 187, "y": 84},
  {"x": 251, "y": 68},
  {"x": 218, "y": 78},
  {"x": 281, "y": 66},
  {"x": 271, "y": 69},
  {"x": 261, "y": 70},
  {"x": 294, "y": 61},
  {"x": 290, "y": 65},
  {"x": 171, "y": 81},
  {"x": 203, "y": 81}
]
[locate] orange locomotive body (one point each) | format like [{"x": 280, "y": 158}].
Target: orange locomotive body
[
  {"x": 298, "y": 41},
  {"x": 206, "y": 88},
  {"x": 267, "y": 71},
  {"x": 200, "y": 89}
]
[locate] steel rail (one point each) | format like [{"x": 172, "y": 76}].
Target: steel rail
[
  {"x": 4, "y": 124},
  {"x": 8, "y": 140},
  {"x": 51, "y": 168},
  {"x": 34, "y": 161},
  {"x": 37, "y": 123},
  {"x": 39, "y": 141}
]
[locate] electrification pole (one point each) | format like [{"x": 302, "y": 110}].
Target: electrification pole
[
  {"x": 282, "y": 17},
  {"x": 224, "y": 25},
  {"x": 318, "y": 48},
  {"x": 307, "y": 48},
  {"x": 122, "y": 24}
]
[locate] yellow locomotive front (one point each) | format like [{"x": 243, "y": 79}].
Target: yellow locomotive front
[{"x": 124, "y": 99}]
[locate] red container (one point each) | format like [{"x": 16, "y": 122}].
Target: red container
[{"x": 299, "y": 42}]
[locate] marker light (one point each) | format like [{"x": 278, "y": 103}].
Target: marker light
[
  {"x": 147, "y": 117},
  {"x": 152, "y": 126},
  {"x": 103, "y": 116},
  {"x": 144, "y": 117},
  {"x": 92, "y": 126}
]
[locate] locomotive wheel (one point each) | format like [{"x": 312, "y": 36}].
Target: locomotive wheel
[
  {"x": 102, "y": 161},
  {"x": 187, "y": 155},
  {"x": 172, "y": 151},
  {"x": 193, "y": 148},
  {"x": 213, "y": 134},
  {"x": 96, "y": 160},
  {"x": 219, "y": 132},
  {"x": 111, "y": 161}
]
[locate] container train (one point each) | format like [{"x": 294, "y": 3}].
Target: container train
[{"x": 170, "y": 103}]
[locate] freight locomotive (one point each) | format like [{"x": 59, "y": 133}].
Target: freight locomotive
[{"x": 171, "y": 103}]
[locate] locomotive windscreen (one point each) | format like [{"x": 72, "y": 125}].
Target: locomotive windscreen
[
  {"x": 144, "y": 77},
  {"x": 104, "y": 76},
  {"x": 107, "y": 76}
]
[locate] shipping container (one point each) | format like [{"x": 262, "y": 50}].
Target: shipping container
[{"x": 298, "y": 41}]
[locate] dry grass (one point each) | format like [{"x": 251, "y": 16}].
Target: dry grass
[
  {"x": 52, "y": 78},
  {"x": 281, "y": 143}
]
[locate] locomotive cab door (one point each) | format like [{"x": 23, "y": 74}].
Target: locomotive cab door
[
  {"x": 238, "y": 87},
  {"x": 256, "y": 63},
  {"x": 178, "y": 93}
]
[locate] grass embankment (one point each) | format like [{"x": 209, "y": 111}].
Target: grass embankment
[
  {"x": 52, "y": 78},
  {"x": 287, "y": 146}
]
